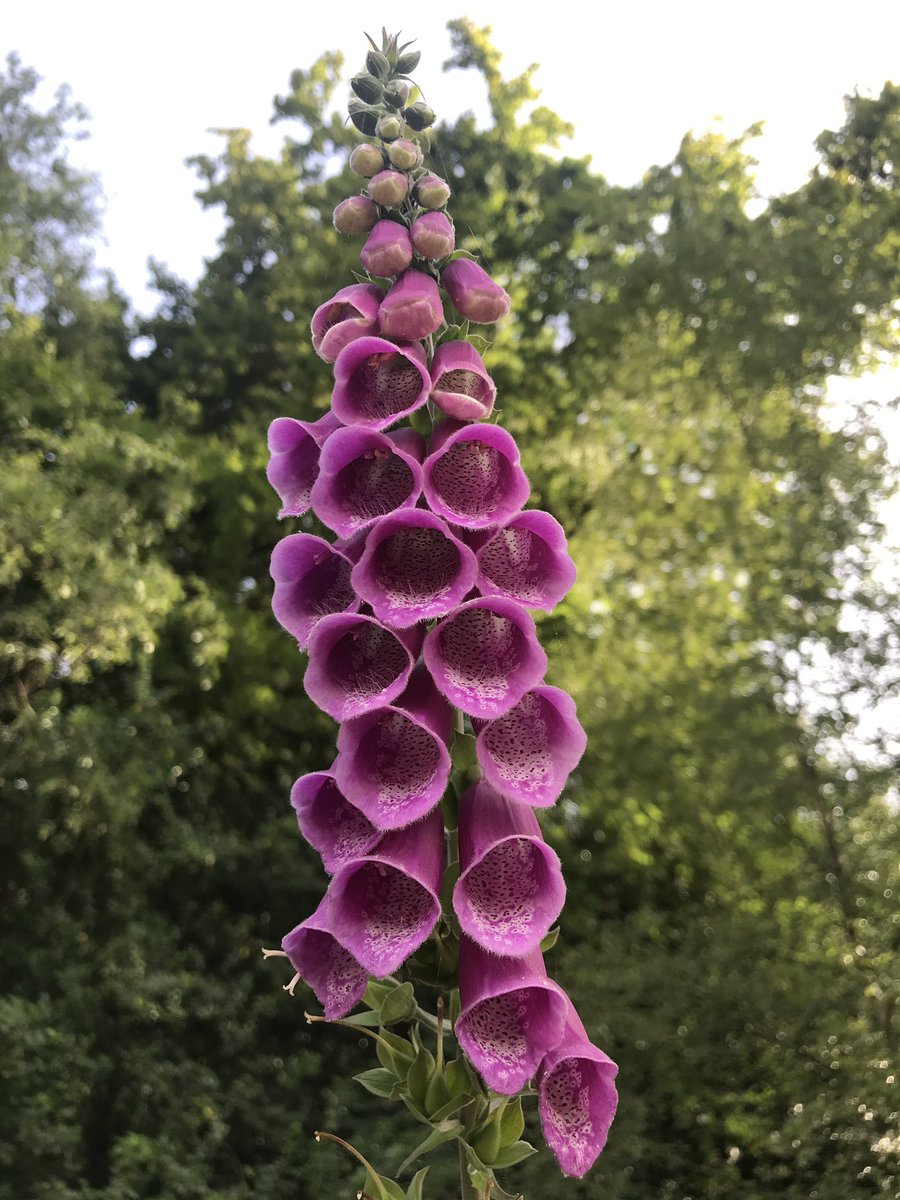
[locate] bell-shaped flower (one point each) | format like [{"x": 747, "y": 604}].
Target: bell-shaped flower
[
  {"x": 432, "y": 235},
  {"x": 363, "y": 475},
  {"x": 413, "y": 568},
  {"x": 472, "y": 475},
  {"x": 510, "y": 890},
  {"x": 485, "y": 656},
  {"x": 412, "y": 309},
  {"x": 473, "y": 293},
  {"x": 528, "y": 561},
  {"x": 312, "y": 579},
  {"x": 337, "y": 979},
  {"x": 460, "y": 384},
  {"x": 387, "y": 252},
  {"x": 384, "y": 906},
  {"x": 393, "y": 762},
  {"x": 356, "y": 665},
  {"x": 577, "y": 1098},
  {"x": 511, "y": 1015},
  {"x": 350, "y": 313},
  {"x": 377, "y": 383},
  {"x": 527, "y": 753},
  {"x": 294, "y": 449},
  {"x": 329, "y": 822}
]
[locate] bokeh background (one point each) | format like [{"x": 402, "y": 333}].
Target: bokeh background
[{"x": 689, "y": 374}]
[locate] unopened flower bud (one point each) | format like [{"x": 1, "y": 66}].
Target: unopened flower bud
[
  {"x": 368, "y": 88},
  {"x": 405, "y": 154},
  {"x": 377, "y": 64},
  {"x": 418, "y": 116},
  {"x": 389, "y": 127},
  {"x": 355, "y": 215},
  {"x": 432, "y": 191},
  {"x": 366, "y": 160},
  {"x": 432, "y": 235},
  {"x": 388, "y": 250},
  {"x": 412, "y": 309},
  {"x": 396, "y": 93},
  {"x": 407, "y": 63},
  {"x": 473, "y": 293},
  {"x": 364, "y": 116},
  {"x": 389, "y": 188}
]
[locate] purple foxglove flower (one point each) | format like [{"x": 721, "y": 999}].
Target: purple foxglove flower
[
  {"x": 362, "y": 476},
  {"x": 357, "y": 214},
  {"x": 392, "y": 766},
  {"x": 312, "y": 579},
  {"x": 294, "y": 448},
  {"x": 527, "y": 753},
  {"x": 332, "y": 972},
  {"x": 329, "y": 822},
  {"x": 472, "y": 475},
  {"x": 473, "y": 293},
  {"x": 432, "y": 191},
  {"x": 412, "y": 309},
  {"x": 383, "y": 907},
  {"x": 377, "y": 383},
  {"x": 510, "y": 890},
  {"x": 355, "y": 665},
  {"x": 528, "y": 561},
  {"x": 577, "y": 1098},
  {"x": 350, "y": 313},
  {"x": 387, "y": 252},
  {"x": 388, "y": 188},
  {"x": 485, "y": 656},
  {"x": 460, "y": 384},
  {"x": 432, "y": 235},
  {"x": 413, "y": 568},
  {"x": 511, "y": 1015}
]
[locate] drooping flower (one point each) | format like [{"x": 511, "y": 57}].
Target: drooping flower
[
  {"x": 377, "y": 383},
  {"x": 413, "y": 568},
  {"x": 350, "y": 313},
  {"x": 511, "y": 1015},
  {"x": 294, "y": 448},
  {"x": 485, "y": 656},
  {"x": 510, "y": 890},
  {"x": 527, "y": 753},
  {"x": 357, "y": 665},
  {"x": 384, "y": 906},
  {"x": 473, "y": 293},
  {"x": 412, "y": 309},
  {"x": 472, "y": 476},
  {"x": 312, "y": 579},
  {"x": 332, "y": 972},
  {"x": 577, "y": 1098},
  {"x": 460, "y": 384},
  {"x": 527, "y": 560},
  {"x": 329, "y": 822},
  {"x": 363, "y": 475}
]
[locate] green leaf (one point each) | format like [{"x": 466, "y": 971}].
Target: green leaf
[
  {"x": 395, "y": 1053},
  {"x": 445, "y": 1132},
  {"x": 513, "y": 1154},
  {"x": 479, "y": 1174},
  {"x": 512, "y": 1123},
  {"x": 381, "y": 1188},
  {"x": 414, "y": 1191},
  {"x": 398, "y": 1005},
  {"x": 420, "y": 1074},
  {"x": 378, "y": 1081},
  {"x": 549, "y": 940}
]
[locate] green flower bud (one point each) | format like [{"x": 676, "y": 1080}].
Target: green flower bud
[
  {"x": 396, "y": 93},
  {"x": 363, "y": 116},
  {"x": 408, "y": 62},
  {"x": 357, "y": 214},
  {"x": 389, "y": 127},
  {"x": 368, "y": 88},
  {"x": 405, "y": 154},
  {"x": 366, "y": 160},
  {"x": 418, "y": 116},
  {"x": 377, "y": 64},
  {"x": 432, "y": 191}
]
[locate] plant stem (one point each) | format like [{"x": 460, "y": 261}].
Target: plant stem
[{"x": 467, "y": 1189}]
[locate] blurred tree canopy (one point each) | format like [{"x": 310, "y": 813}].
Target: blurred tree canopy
[{"x": 732, "y": 928}]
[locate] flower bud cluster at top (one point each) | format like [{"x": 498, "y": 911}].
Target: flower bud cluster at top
[{"x": 420, "y": 641}]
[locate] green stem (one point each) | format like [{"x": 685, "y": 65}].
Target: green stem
[{"x": 467, "y": 1189}]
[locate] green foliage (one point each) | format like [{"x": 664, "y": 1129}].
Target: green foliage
[{"x": 731, "y": 929}]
